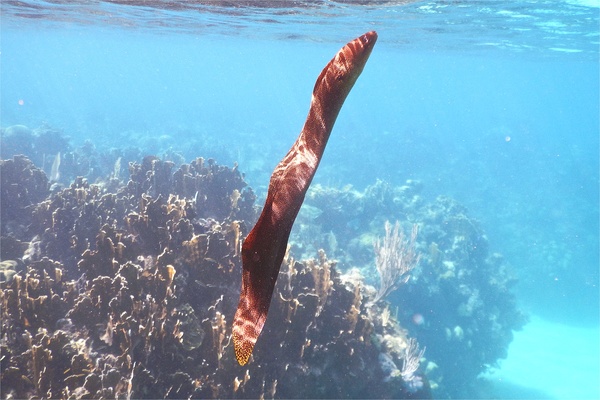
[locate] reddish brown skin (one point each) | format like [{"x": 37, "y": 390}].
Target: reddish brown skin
[{"x": 265, "y": 246}]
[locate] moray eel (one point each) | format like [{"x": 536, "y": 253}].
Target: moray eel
[{"x": 265, "y": 246}]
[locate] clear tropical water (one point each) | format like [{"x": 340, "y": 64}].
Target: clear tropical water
[{"x": 494, "y": 103}]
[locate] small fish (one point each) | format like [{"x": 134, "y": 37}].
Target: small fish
[{"x": 264, "y": 247}]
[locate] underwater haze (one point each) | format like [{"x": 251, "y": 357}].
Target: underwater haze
[{"x": 493, "y": 104}]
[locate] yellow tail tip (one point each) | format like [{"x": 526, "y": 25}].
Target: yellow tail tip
[{"x": 243, "y": 349}]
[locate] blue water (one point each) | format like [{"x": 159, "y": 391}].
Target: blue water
[{"x": 493, "y": 103}]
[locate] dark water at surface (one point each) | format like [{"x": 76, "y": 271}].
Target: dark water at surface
[{"x": 493, "y": 103}]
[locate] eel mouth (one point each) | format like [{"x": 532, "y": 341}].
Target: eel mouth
[{"x": 369, "y": 39}]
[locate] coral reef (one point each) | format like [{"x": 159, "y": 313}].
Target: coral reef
[
  {"x": 22, "y": 186},
  {"x": 126, "y": 287},
  {"x": 458, "y": 300},
  {"x": 40, "y": 145},
  {"x": 129, "y": 289}
]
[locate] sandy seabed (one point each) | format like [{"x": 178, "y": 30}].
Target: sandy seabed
[{"x": 549, "y": 360}]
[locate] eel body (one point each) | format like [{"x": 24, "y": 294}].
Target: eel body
[{"x": 264, "y": 247}]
